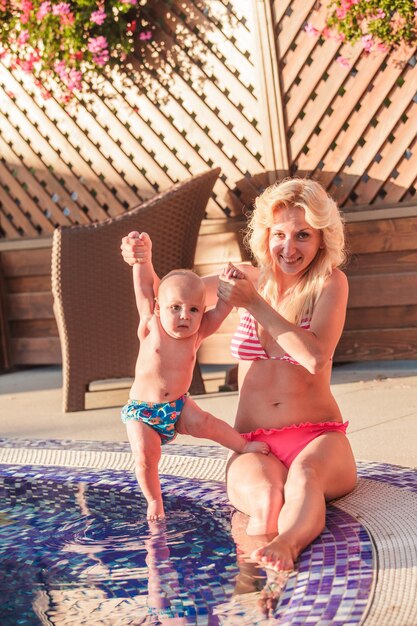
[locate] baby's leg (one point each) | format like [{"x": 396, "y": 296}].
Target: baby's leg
[
  {"x": 198, "y": 423},
  {"x": 146, "y": 449}
]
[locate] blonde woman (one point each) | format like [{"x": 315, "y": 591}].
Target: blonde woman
[{"x": 293, "y": 307}]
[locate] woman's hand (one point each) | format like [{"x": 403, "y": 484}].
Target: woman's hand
[
  {"x": 235, "y": 288},
  {"x": 136, "y": 247}
]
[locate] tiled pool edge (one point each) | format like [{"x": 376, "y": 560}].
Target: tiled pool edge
[{"x": 385, "y": 503}]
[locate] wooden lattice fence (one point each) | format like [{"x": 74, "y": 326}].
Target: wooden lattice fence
[{"x": 239, "y": 85}]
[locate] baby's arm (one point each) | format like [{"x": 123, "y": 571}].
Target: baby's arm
[
  {"x": 143, "y": 278},
  {"x": 213, "y": 319}
]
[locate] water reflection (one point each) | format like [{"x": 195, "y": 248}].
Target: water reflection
[
  {"x": 82, "y": 554},
  {"x": 257, "y": 591}
]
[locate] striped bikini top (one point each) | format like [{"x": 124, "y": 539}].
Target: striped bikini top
[{"x": 247, "y": 347}]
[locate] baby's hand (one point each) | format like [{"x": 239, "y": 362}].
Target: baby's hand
[
  {"x": 231, "y": 271},
  {"x": 256, "y": 446},
  {"x": 143, "y": 246}
]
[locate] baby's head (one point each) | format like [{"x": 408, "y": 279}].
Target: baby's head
[{"x": 180, "y": 303}]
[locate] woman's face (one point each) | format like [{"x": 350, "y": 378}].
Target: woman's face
[{"x": 293, "y": 243}]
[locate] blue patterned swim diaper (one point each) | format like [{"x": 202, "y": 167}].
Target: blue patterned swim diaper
[{"x": 161, "y": 416}]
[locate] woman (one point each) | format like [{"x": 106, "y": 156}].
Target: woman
[{"x": 293, "y": 311}]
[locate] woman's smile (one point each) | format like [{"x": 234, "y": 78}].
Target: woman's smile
[{"x": 293, "y": 243}]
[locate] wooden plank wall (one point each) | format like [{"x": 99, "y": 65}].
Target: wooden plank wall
[
  {"x": 381, "y": 321},
  {"x": 30, "y": 334},
  {"x": 382, "y": 310}
]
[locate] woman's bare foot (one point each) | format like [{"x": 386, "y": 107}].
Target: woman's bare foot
[
  {"x": 256, "y": 446},
  {"x": 155, "y": 511},
  {"x": 277, "y": 554}
]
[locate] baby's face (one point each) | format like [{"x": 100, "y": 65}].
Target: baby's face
[{"x": 181, "y": 306}]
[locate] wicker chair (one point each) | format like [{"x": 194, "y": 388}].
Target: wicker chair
[{"x": 92, "y": 287}]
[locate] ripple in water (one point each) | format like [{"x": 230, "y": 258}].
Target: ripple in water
[{"x": 108, "y": 562}]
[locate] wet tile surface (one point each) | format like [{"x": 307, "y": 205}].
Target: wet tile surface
[{"x": 76, "y": 549}]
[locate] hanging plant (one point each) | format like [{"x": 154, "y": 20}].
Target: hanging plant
[
  {"x": 62, "y": 43},
  {"x": 381, "y": 25}
]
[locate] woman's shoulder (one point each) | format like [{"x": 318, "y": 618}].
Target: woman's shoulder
[
  {"x": 337, "y": 278},
  {"x": 336, "y": 286}
]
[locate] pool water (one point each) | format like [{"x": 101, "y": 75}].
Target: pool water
[
  {"x": 88, "y": 549},
  {"x": 75, "y": 548}
]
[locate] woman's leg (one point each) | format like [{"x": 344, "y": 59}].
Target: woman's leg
[
  {"x": 255, "y": 486},
  {"x": 324, "y": 469},
  {"x": 145, "y": 444}
]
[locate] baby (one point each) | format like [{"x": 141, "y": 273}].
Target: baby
[{"x": 171, "y": 329}]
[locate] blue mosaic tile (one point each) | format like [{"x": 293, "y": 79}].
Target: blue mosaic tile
[
  {"x": 105, "y": 552},
  {"x": 395, "y": 475}
]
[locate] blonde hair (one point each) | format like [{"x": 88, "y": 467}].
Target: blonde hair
[{"x": 321, "y": 213}]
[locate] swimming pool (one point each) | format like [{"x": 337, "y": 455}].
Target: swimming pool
[{"x": 76, "y": 549}]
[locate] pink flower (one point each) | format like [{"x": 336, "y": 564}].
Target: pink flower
[
  {"x": 341, "y": 12},
  {"x": 23, "y": 37},
  {"x": 379, "y": 15},
  {"x": 27, "y": 66},
  {"x": 71, "y": 78},
  {"x": 311, "y": 30},
  {"x": 367, "y": 42},
  {"x": 97, "y": 44},
  {"x": 343, "y": 61},
  {"x": 60, "y": 68},
  {"x": 43, "y": 10},
  {"x": 35, "y": 56},
  {"x": 144, "y": 36},
  {"x": 74, "y": 80},
  {"x": 26, "y": 6},
  {"x": 98, "y": 47},
  {"x": 67, "y": 19},
  {"x": 62, "y": 8},
  {"x": 98, "y": 16}
]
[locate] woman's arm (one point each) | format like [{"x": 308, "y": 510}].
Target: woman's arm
[{"x": 311, "y": 348}]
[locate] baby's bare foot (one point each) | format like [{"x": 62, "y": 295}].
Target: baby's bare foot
[
  {"x": 155, "y": 511},
  {"x": 276, "y": 554},
  {"x": 256, "y": 446}
]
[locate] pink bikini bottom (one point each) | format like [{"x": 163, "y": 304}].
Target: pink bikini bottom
[{"x": 286, "y": 443}]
